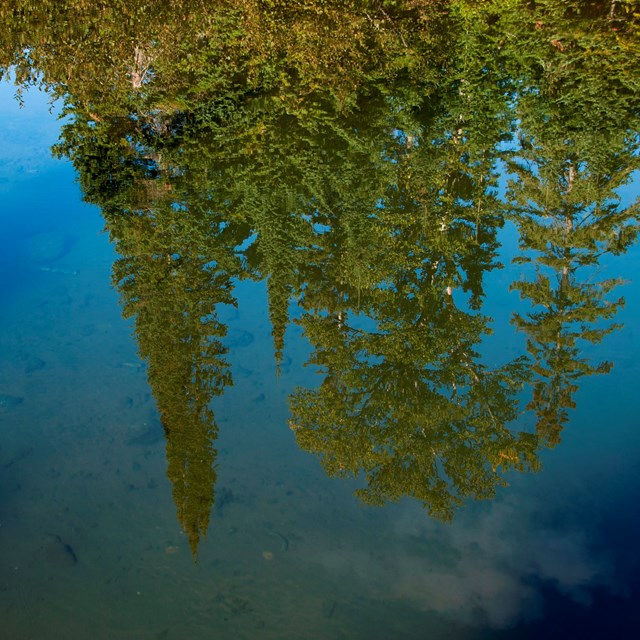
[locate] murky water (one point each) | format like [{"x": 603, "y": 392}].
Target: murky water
[{"x": 90, "y": 545}]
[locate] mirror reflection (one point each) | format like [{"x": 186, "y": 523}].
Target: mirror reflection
[{"x": 375, "y": 164}]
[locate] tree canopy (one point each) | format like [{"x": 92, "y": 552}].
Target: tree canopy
[{"x": 349, "y": 153}]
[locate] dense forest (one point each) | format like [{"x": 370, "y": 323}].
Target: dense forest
[{"x": 349, "y": 154}]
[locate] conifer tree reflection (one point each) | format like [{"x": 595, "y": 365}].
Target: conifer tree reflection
[
  {"x": 412, "y": 407},
  {"x": 578, "y": 145},
  {"x": 177, "y": 259},
  {"x": 172, "y": 288},
  {"x": 406, "y": 400},
  {"x": 345, "y": 153},
  {"x": 569, "y": 215}
]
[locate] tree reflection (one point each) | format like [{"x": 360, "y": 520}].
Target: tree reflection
[
  {"x": 567, "y": 208},
  {"x": 406, "y": 399},
  {"x": 348, "y": 154},
  {"x": 412, "y": 407},
  {"x": 172, "y": 286},
  {"x": 578, "y": 145},
  {"x": 177, "y": 260}
]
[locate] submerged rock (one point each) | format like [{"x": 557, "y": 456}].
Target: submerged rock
[
  {"x": 151, "y": 435},
  {"x": 49, "y": 246},
  {"x": 237, "y": 339}
]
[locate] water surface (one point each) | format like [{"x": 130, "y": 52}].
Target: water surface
[{"x": 248, "y": 393}]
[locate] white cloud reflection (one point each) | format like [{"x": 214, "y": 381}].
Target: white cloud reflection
[{"x": 487, "y": 566}]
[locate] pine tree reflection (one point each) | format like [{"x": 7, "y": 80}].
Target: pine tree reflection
[
  {"x": 176, "y": 262},
  {"x": 365, "y": 190},
  {"x": 406, "y": 400},
  {"x": 567, "y": 208}
]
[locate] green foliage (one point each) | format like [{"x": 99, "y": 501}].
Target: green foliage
[
  {"x": 348, "y": 154},
  {"x": 412, "y": 409},
  {"x": 565, "y": 202}
]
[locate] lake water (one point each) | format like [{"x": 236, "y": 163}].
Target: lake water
[{"x": 90, "y": 545}]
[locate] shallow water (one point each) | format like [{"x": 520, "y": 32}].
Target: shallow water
[{"x": 90, "y": 545}]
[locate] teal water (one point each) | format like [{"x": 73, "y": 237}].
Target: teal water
[{"x": 90, "y": 545}]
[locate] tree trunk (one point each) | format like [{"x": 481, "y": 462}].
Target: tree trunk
[{"x": 140, "y": 68}]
